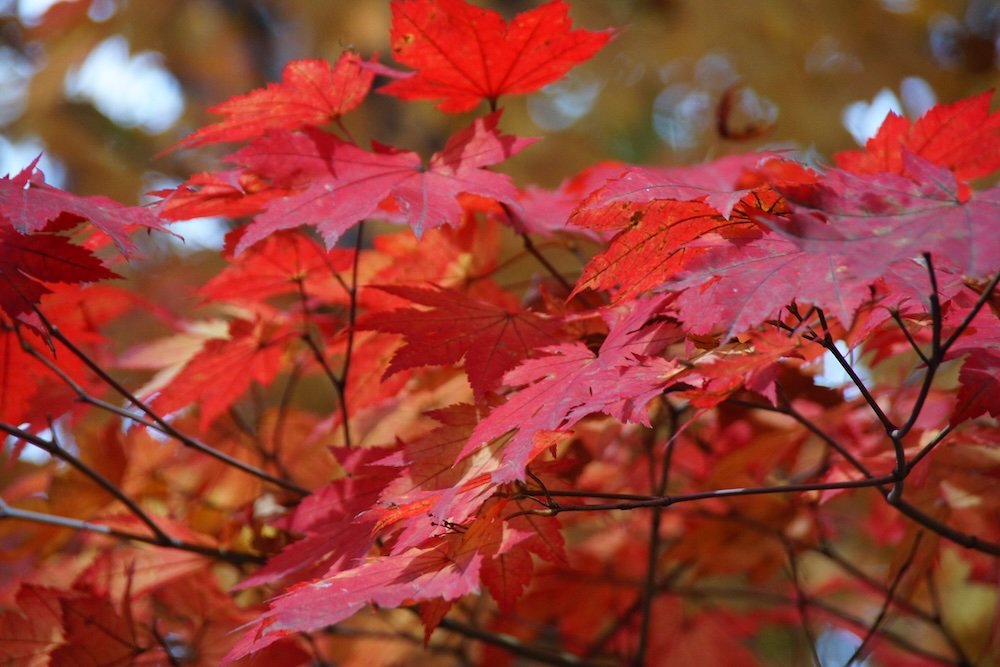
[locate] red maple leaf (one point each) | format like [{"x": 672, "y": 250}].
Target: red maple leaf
[
  {"x": 873, "y": 221},
  {"x": 844, "y": 232},
  {"x": 337, "y": 529},
  {"x": 573, "y": 382},
  {"x": 283, "y": 263},
  {"x": 720, "y": 184},
  {"x": 653, "y": 247},
  {"x": 544, "y": 211},
  {"x": 343, "y": 184},
  {"x": 739, "y": 285},
  {"x": 447, "y": 569},
  {"x": 230, "y": 193},
  {"x": 29, "y": 260},
  {"x": 463, "y": 54},
  {"x": 34, "y": 629},
  {"x": 224, "y": 368},
  {"x": 29, "y": 204},
  {"x": 492, "y": 336},
  {"x": 311, "y": 93},
  {"x": 964, "y": 137}
]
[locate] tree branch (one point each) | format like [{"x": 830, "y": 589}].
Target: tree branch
[
  {"x": 234, "y": 557},
  {"x": 165, "y": 426}
]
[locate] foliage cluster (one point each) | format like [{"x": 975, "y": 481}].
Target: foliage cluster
[{"x": 641, "y": 462}]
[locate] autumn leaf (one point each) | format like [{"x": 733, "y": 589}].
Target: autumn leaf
[
  {"x": 572, "y": 382},
  {"x": 492, "y": 336},
  {"x": 874, "y": 221},
  {"x": 963, "y": 137},
  {"x": 435, "y": 488},
  {"x": 544, "y": 211},
  {"x": 463, "y": 54},
  {"x": 311, "y": 93},
  {"x": 29, "y": 633},
  {"x": 217, "y": 375},
  {"x": 343, "y": 184},
  {"x": 284, "y": 263},
  {"x": 843, "y": 233},
  {"x": 27, "y": 261},
  {"x": 737, "y": 286},
  {"x": 654, "y": 246},
  {"x": 28, "y": 204},
  {"x": 97, "y": 634},
  {"x": 335, "y": 523},
  {"x": 753, "y": 365},
  {"x": 231, "y": 193},
  {"x": 719, "y": 184},
  {"x": 447, "y": 570}
]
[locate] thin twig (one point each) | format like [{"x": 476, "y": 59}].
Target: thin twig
[
  {"x": 971, "y": 315},
  {"x": 909, "y": 337},
  {"x": 234, "y": 557},
  {"x": 889, "y": 597},
  {"x": 352, "y": 315},
  {"x": 553, "y": 271},
  {"x": 667, "y": 501},
  {"x": 827, "y": 342},
  {"x": 515, "y": 647},
  {"x": 55, "y": 449},
  {"x": 165, "y": 426},
  {"x": 801, "y": 602}
]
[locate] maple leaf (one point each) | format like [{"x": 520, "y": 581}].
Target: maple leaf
[
  {"x": 344, "y": 184},
  {"x": 543, "y": 211},
  {"x": 311, "y": 93},
  {"x": 223, "y": 369},
  {"x": 463, "y": 54},
  {"x": 77, "y": 311},
  {"x": 874, "y": 221},
  {"x": 29, "y": 204},
  {"x": 97, "y": 634},
  {"x": 283, "y": 263},
  {"x": 573, "y": 382},
  {"x": 29, "y": 633},
  {"x": 336, "y": 530},
  {"x": 752, "y": 365},
  {"x": 448, "y": 569},
  {"x": 29, "y": 260},
  {"x": 434, "y": 488},
  {"x": 492, "y": 336},
  {"x": 229, "y": 193},
  {"x": 655, "y": 246},
  {"x": 980, "y": 386},
  {"x": 738, "y": 286},
  {"x": 964, "y": 137},
  {"x": 979, "y": 377},
  {"x": 720, "y": 184},
  {"x": 844, "y": 232}
]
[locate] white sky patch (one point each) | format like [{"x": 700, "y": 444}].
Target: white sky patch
[
  {"x": 835, "y": 646},
  {"x": 133, "y": 91},
  {"x": 16, "y": 155},
  {"x": 198, "y": 234},
  {"x": 31, "y": 11},
  {"x": 15, "y": 75},
  {"x": 561, "y": 104},
  {"x": 834, "y": 376},
  {"x": 863, "y": 118},
  {"x": 29, "y": 452}
]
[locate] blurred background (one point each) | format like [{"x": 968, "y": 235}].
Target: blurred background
[{"x": 101, "y": 86}]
